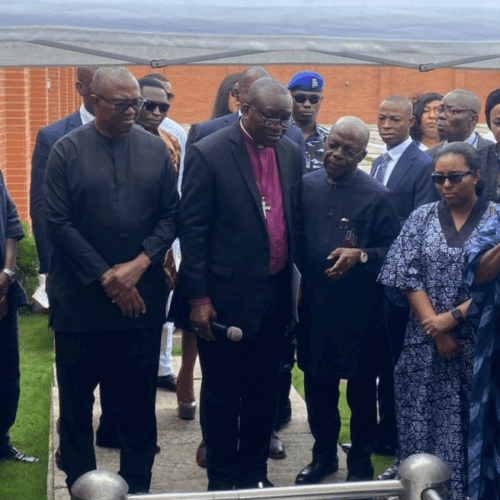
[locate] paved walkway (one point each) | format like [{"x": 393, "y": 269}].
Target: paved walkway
[{"x": 175, "y": 468}]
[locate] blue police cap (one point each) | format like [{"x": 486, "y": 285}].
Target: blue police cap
[{"x": 307, "y": 81}]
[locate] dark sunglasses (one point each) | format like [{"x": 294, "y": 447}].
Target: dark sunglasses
[
  {"x": 122, "y": 106},
  {"x": 453, "y": 178},
  {"x": 152, "y": 105},
  {"x": 302, "y": 98}
]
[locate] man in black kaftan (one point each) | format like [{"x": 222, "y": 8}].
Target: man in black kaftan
[
  {"x": 349, "y": 224},
  {"x": 111, "y": 204}
]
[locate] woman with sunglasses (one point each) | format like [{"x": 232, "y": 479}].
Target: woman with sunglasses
[{"x": 425, "y": 266}]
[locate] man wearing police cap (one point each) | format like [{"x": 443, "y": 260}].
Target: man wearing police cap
[{"x": 306, "y": 88}]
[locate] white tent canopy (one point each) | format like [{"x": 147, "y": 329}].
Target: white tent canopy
[{"x": 422, "y": 36}]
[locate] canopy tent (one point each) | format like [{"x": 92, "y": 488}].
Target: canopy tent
[{"x": 424, "y": 35}]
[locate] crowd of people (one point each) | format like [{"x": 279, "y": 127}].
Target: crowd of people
[{"x": 388, "y": 279}]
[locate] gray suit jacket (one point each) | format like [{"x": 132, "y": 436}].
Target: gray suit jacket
[{"x": 481, "y": 143}]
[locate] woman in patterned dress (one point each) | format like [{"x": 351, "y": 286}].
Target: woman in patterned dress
[
  {"x": 481, "y": 273},
  {"x": 432, "y": 376}
]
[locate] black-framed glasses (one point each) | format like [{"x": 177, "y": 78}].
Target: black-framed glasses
[
  {"x": 270, "y": 122},
  {"x": 455, "y": 178},
  {"x": 302, "y": 98},
  {"x": 122, "y": 106},
  {"x": 449, "y": 110},
  {"x": 152, "y": 105}
]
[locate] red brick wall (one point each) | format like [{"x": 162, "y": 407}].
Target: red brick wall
[{"x": 32, "y": 98}]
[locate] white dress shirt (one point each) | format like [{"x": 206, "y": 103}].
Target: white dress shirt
[{"x": 395, "y": 154}]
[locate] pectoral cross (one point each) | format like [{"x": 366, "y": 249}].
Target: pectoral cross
[{"x": 265, "y": 207}]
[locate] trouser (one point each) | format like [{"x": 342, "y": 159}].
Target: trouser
[
  {"x": 126, "y": 361},
  {"x": 322, "y": 399},
  {"x": 387, "y": 433},
  {"x": 238, "y": 398},
  {"x": 9, "y": 376}
]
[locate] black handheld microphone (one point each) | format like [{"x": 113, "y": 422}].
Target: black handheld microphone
[{"x": 231, "y": 332}]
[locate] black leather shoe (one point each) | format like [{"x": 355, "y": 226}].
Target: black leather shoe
[
  {"x": 168, "y": 382},
  {"x": 263, "y": 483},
  {"x": 276, "y": 448},
  {"x": 346, "y": 447},
  {"x": 392, "y": 472},
  {"x": 315, "y": 472},
  {"x": 14, "y": 455}
]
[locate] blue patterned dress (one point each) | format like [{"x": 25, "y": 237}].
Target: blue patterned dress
[
  {"x": 484, "y": 433},
  {"x": 432, "y": 394}
]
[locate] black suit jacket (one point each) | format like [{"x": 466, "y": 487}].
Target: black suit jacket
[
  {"x": 410, "y": 182},
  {"x": 206, "y": 128},
  {"x": 46, "y": 138},
  {"x": 224, "y": 239}
]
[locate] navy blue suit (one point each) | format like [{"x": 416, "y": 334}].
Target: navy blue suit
[
  {"x": 206, "y": 128},
  {"x": 46, "y": 138},
  {"x": 410, "y": 182}
]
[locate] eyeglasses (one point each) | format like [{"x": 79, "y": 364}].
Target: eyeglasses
[
  {"x": 122, "y": 106},
  {"x": 455, "y": 178},
  {"x": 152, "y": 105},
  {"x": 270, "y": 122},
  {"x": 302, "y": 98},
  {"x": 449, "y": 110}
]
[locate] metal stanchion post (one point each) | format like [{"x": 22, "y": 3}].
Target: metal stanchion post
[
  {"x": 421, "y": 472},
  {"x": 99, "y": 485}
]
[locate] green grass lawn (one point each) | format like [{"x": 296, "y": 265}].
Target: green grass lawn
[
  {"x": 30, "y": 433},
  {"x": 380, "y": 463}
]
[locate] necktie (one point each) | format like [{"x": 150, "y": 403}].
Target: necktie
[{"x": 382, "y": 167}]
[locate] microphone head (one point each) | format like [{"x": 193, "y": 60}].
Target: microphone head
[{"x": 234, "y": 333}]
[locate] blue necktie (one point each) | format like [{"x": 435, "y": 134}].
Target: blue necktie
[{"x": 382, "y": 167}]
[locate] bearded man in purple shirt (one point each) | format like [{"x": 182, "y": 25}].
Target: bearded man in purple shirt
[{"x": 239, "y": 225}]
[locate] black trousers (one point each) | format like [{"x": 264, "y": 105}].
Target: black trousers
[
  {"x": 126, "y": 361},
  {"x": 238, "y": 398},
  {"x": 322, "y": 400},
  {"x": 9, "y": 376}
]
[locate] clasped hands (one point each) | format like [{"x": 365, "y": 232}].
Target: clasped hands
[
  {"x": 119, "y": 284},
  {"x": 438, "y": 329},
  {"x": 344, "y": 259}
]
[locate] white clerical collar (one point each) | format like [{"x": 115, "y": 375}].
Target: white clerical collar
[
  {"x": 258, "y": 146},
  {"x": 396, "y": 152},
  {"x": 85, "y": 115}
]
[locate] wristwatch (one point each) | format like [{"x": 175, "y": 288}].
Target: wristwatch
[
  {"x": 10, "y": 274},
  {"x": 457, "y": 314},
  {"x": 363, "y": 258}
]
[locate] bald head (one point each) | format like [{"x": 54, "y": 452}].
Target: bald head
[
  {"x": 111, "y": 76},
  {"x": 399, "y": 100},
  {"x": 247, "y": 78},
  {"x": 84, "y": 75},
  {"x": 117, "y": 101},
  {"x": 395, "y": 119},
  {"x": 468, "y": 100},
  {"x": 267, "y": 111},
  {"x": 459, "y": 115},
  {"x": 355, "y": 127},
  {"x": 345, "y": 147}
]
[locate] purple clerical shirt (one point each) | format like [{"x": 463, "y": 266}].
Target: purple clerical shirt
[
  {"x": 267, "y": 177},
  {"x": 266, "y": 173}
]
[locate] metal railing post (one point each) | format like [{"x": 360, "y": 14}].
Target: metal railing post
[
  {"x": 99, "y": 485},
  {"x": 421, "y": 472}
]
